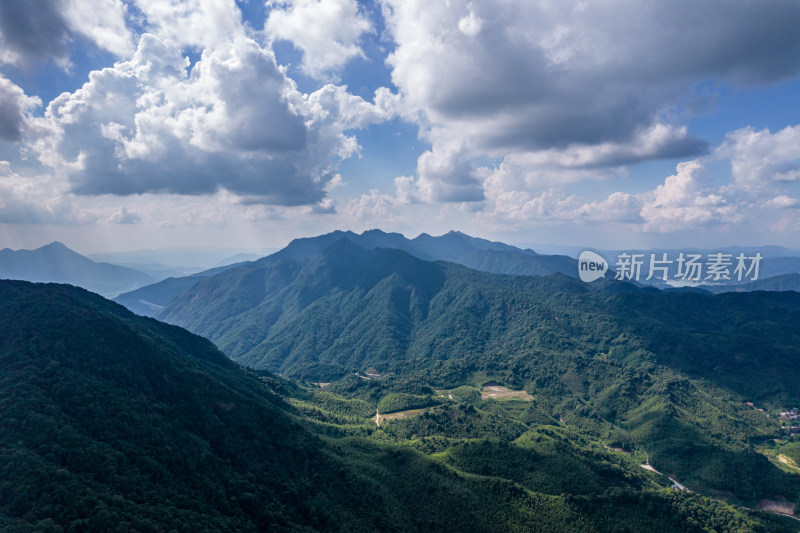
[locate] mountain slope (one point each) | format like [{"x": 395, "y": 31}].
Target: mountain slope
[
  {"x": 518, "y": 262},
  {"x": 57, "y": 263},
  {"x": 479, "y": 254},
  {"x": 666, "y": 372},
  {"x": 454, "y": 246},
  {"x": 353, "y": 308},
  {"x": 151, "y": 299},
  {"x": 118, "y": 422},
  {"x": 111, "y": 420}
]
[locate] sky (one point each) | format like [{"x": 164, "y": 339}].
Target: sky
[{"x": 129, "y": 124}]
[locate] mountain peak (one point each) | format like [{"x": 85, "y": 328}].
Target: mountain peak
[
  {"x": 56, "y": 262},
  {"x": 56, "y": 245},
  {"x": 342, "y": 245}
]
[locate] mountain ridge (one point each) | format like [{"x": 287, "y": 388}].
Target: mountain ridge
[
  {"x": 453, "y": 246},
  {"x": 55, "y": 262},
  {"x": 113, "y": 421}
]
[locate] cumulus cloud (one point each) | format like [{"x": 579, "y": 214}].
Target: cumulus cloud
[
  {"x": 40, "y": 30},
  {"x": 233, "y": 122},
  {"x": 32, "y": 31},
  {"x": 15, "y": 107},
  {"x": 760, "y": 159},
  {"x": 685, "y": 200},
  {"x": 103, "y": 22},
  {"x": 446, "y": 174},
  {"x": 575, "y": 81},
  {"x": 327, "y": 31},
  {"x": 123, "y": 216},
  {"x": 193, "y": 23},
  {"x": 784, "y": 202},
  {"x": 35, "y": 199},
  {"x": 373, "y": 206}
]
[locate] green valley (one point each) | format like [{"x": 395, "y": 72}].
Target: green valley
[{"x": 113, "y": 422}]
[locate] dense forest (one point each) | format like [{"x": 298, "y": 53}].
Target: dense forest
[
  {"x": 113, "y": 422},
  {"x": 680, "y": 376}
]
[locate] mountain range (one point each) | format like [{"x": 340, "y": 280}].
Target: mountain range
[
  {"x": 479, "y": 254},
  {"x": 461, "y": 400},
  {"x": 116, "y": 422},
  {"x": 649, "y": 369},
  {"x": 57, "y": 263}
]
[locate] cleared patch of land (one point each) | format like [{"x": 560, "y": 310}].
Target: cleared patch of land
[
  {"x": 788, "y": 461},
  {"x": 620, "y": 450},
  {"x": 496, "y": 392},
  {"x": 780, "y": 506},
  {"x": 650, "y": 468},
  {"x": 379, "y": 418}
]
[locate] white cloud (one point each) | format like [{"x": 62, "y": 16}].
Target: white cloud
[
  {"x": 102, "y": 21},
  {"x": 470, "y": 25},
  {"x": 332, "y": 104},
  {"x": 618, "y": 207},
  {"x": 233, "y": 122},
  {"x": 327, "y": 31},
  {"x": 784, "y": 202},
  {"x": 193, "y": 23},
  {"x": 761, "y": 159},
  {"x": 371, "y": 209},
  {"x": 406, "y": 190},
  {"x": 36, "y": 199},
  {"x": 574, "y": 83},
  {"x": 686, "y": 200},
  {"x": 446, "y": 174},
  {"x": 32, "y": 32},
  {"x": 15, "y": 109},
  {"x": 123, "y": 216}
]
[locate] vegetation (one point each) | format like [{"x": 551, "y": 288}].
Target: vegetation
[
  {"x": 117, "y": 422},
  {"x": 662, "y": 374}
]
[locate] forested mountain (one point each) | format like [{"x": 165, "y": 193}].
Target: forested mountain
[
  {"x": 57, "y": 263},
  {"x": 113, "y": 422},
  {"x": 151, "y": 299},
  {"x": 454, "y": 246},
  {"x": 668, "y": 373},
  {"x": 479, "y": 254},
  {"x": 348, "y": 308}
]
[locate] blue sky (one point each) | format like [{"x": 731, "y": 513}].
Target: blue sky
[{"x": 140, "y": 123}]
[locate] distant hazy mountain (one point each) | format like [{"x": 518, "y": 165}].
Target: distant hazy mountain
[
  {"x": 57, "y": 263},
  {"x": 784, "y": 282},
  {"x": 151, "y": 299},
  {"x": 194, "y": 259},
  {"x": 769, "y": 251},
  {"x": 238, "y": 258},
  {"x": 775, "y": 261}
]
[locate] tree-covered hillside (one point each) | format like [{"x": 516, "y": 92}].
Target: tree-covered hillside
[
  {"x": 113, "y": 422},
  {"x": 666, "y": 373}
]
